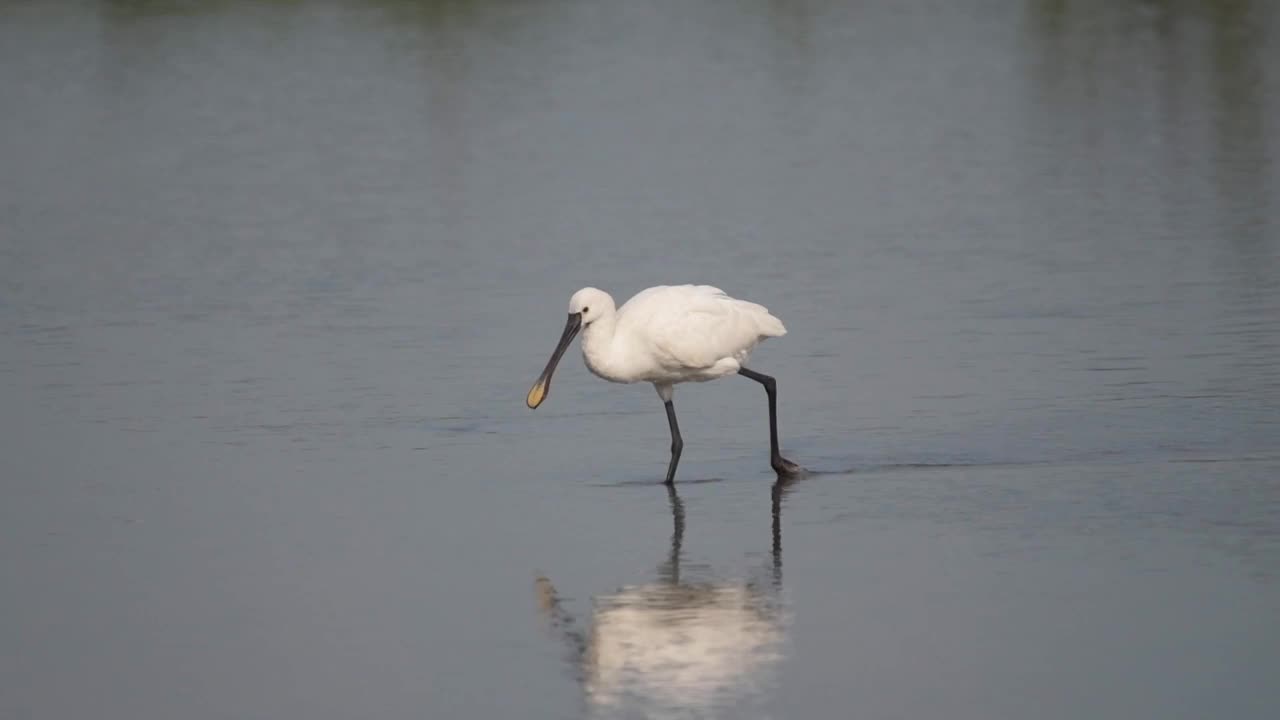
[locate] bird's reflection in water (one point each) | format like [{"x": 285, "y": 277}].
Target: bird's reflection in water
[{"x": 678, "y": 645}]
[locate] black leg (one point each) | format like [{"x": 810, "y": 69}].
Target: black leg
[
  {"x": 677, "y": 444},
  {"x": 781, "y": 465}
]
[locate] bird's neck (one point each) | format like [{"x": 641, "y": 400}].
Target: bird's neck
[{"x": 598, "y": 349}]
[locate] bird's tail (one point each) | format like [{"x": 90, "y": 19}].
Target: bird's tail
[{"x": 767, "y": 325}]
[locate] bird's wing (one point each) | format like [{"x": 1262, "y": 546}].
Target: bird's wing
[{"x": 694, "y": 326}]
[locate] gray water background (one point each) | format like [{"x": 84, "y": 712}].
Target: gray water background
[{"x": 276, "y": 276}]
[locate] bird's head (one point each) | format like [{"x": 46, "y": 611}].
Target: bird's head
[
  {"x": 585, "y": 307},
  {"x": 590, "y": 305}
]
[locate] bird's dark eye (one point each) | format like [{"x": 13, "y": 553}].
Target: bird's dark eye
[{"x": 586, "y": 310}]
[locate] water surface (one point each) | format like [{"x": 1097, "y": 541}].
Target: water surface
[{"x": 275, "y": 278}]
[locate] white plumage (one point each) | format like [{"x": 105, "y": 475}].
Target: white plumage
[
  {"x": 666, "y": 335},
  {"x": 670, "y": 334}
]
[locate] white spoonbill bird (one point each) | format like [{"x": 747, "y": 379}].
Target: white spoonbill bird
[{"x": 667, "y": 335}]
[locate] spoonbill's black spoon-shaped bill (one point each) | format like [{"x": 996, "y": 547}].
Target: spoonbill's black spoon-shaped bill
[{"x": 667, "y": 335}]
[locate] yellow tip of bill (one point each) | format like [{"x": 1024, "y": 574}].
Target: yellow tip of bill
[{"x": 536, "y": 394}]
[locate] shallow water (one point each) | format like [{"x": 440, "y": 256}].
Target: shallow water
[{"x": 275, "y": 278}]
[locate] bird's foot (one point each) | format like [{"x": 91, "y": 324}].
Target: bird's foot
[{"x": 785, "y": 468}]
